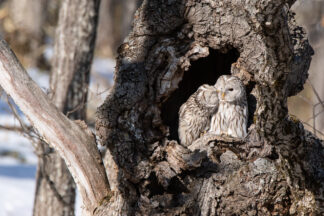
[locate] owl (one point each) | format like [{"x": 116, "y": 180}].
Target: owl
[
  {"x": 232, "y": 113},
  {"x": 196, "y": 112}
]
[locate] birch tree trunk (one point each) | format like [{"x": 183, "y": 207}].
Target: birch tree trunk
[{"x": 73, "y": 53}]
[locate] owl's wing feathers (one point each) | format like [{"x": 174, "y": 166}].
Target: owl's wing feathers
[
  {"x": 195, "y": 114},
  {"x": 186, "y": 122}
]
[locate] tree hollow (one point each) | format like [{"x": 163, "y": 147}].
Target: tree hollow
[{"x": 202, "y": 71}]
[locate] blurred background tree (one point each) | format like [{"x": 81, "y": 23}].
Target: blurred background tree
[
  {"x": 115, "y": 19},
  {"x": 307, "y": 105},
  {"x": 29, "y": 28},
  {"x": 29, "y": 25}
]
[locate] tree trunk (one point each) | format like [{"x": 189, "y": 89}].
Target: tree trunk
[
  {"x": 26, "y": 34},
  {"x": 29, "y": 16},
  {"x": 276, "y": 170},
  {"x": 71, "y": 139},
  {"x": 116, "y": 17},
  {"x": 73, "y": 53},
  {"x": 176, "y": 46},
  {"x": 105, "y": 39}
]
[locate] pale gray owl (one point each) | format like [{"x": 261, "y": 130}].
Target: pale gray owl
[
  {"x": 232, "y": 113},
  {"x": 196, "y": 112}
]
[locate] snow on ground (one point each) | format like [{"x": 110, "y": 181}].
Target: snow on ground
[
  {"x": 17, "y": 183},
  {"x": 17, "y": 171},
  {"x": 17, "y": 159}
]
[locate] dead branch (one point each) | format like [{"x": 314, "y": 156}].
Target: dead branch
[{"x": 77, "y": 147}]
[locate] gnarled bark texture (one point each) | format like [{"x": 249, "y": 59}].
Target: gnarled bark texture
[
  {"x": 174, "y": 47},
  {"x": 74, "y": 47}
]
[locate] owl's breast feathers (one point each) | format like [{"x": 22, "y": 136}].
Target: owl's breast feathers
[{"x": 230, "y": 119}]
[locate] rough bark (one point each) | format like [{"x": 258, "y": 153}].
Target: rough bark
[
  {"x": 73, "y": 50},
  {"x": 277, "y": 170},
  {"x": 174, "y": 47},
  {"x": 73, "y": 54},
  {"x": 73, "y": 140}
]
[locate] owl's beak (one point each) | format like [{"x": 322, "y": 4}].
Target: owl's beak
[{"x": 223, "y": 95}]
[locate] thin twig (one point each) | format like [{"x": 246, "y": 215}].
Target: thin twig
[
  {"x": 313, "y": 128},
  {"x": 16, "y": 115},
  {"x": 316, "y": 93},
  {"x": 11, "y": 128},
  {"x": 305, "y": 100},
  {"x": 26, "y": 131},
  {"x": 314, "y": 120},
  {"x": 317, "y": 114},
  {"x": 78, "y": 107},
  {"x": 314, "y": 114}
]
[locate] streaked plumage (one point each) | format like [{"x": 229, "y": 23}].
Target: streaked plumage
[
  {"x": 232, "y": 113},
  {"x": 195, "y": 113}
]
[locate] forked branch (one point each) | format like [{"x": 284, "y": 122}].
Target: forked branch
[{"x": 76, "y": 146}]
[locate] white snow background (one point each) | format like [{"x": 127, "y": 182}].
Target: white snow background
[{"x": 17, "y": 159}]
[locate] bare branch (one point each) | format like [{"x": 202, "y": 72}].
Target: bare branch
[
  {"x": 314, "y": 129},
  {"x": 316, "y": 114},
  {"x": 16, "y": 115},
  {"x": 73, "y": 143},
  {"x": 316, "y": 93},
  {"x": 11, "y": 128}
]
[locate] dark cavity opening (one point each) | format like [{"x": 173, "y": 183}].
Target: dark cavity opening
[{"x": 203, "y": 71}]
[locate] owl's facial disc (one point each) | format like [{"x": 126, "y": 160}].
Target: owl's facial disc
[
  {"x": 232, "y": 92},
  {"x": 230, "y": 88}
]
